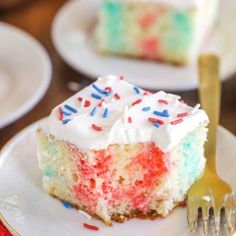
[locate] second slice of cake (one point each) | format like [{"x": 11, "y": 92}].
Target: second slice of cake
[
  {"x": 165, "y": 30},
  {"x": 117, "y": 151}
]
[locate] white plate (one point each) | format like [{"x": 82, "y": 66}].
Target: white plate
[
  {"x": 73, "y": 36},
  {"x": 32, "y": 212},
  {"x": 25, "y": 73}
]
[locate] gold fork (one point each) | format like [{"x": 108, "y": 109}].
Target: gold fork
[{"x": 210, "y": 192}]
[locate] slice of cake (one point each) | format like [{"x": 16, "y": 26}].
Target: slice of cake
[
  {"x": 165, "y": 30},
  {"x": 117, "y": 151}
]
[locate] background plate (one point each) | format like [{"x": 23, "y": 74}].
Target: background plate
[
  {"x": 73, "y": 36},
  {"x": 25, "y": 73}
]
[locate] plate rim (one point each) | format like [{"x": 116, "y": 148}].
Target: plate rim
[
  {"x": 93, "y": 74},
  {"x": 3, "y": 154},
  {"x": 26, "y": 131},
  {"x": 45, "y": 79},
  {"x": 8, "y": 226}
]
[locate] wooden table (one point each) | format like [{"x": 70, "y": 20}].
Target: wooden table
[{"x": 36, "y": 18}]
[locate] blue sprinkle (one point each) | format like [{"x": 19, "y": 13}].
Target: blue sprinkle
[
  {"x": 137, "y": 90},
  {"x": 164, "y": 113},
  {"x": 156, "y": 124},
  {"x": 93, "y": 112},
  {"x": 70, "y": 108},
  {"x": 65, "y": 112},
  {"x": 106, "y": 113},
  {"x": 67, "y": 205},
  {"x": 94, "y": 95},
  {"x": 103, "y": 92},
  {"x": 146, "y": 108},
  {"x": 66, "y": 121}
]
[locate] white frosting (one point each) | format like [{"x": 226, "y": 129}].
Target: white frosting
[
  {"x": 176, "y": 3},
  {"x": 116, "y": 128}
]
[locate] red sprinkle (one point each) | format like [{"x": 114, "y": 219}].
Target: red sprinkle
[
  {"x": 129, "y": 119},
  {"x": 137, "y": 102},
  {"x": 122, "y": 77},
  {"x": 163, "y": 101},
  {"x": 161, "y": 122},
  {"x": 60, "y": 114},
  {"x": 175, "y": 122},
  {"x": 100, "y": 103},
  {"x": 92, "y": 227},
  {"x": 80, "y": 99},
  {"x": 182, "y": 114},
  {"x": 117, "y": 96},
  {"x": 147, "y": 92},
  {"x": 108, "y": 89},
  {"x": 182, "y": 101},
  {"x": 87, "y": 103},
  {"x": 97, "y": 128}
]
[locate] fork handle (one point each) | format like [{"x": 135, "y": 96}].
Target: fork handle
[{"x": 210, "y": 95}]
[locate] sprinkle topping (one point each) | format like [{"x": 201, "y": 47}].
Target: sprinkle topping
[
  {"x": 105, "y": 113},
  {"x": 196, "y": 107},
  {"x": 60, "y": 114},
  {"x": 67, "y": 205},
  {"x": 156, "y": 124},
  {"x": 163, "y": 101},
  {"x": 152, "y": 120},
  {"x": 146, "y": 109},
  {"x": 182, "y": 114},
  {"x": 92, "y": 227},
  {"x": 93, "y": 112},
  {"x": 117, "y": 96},
  {"x": 164, "y": 113},
  {"x": 65, "y": 112},
  {"x": 80, "y": 99},
  {"x": 126, "y": 116},
  {"x": 85, "y": 214},
  {"x": 147, "y": 93},
  {"x": 96, "y": 96},
  {"x": 87, "y": 103},
  {"x": 137, "y": 102},
  {"x": 66, "y": 121},
  {"x": 70, "y": 108},
  {"x": 137, "y": 90},
  {"x": 106, "y": 91},
  {"x": 97, "y": 128},
  {"x": 100, "y": 104},
  {"x": 130, "y": 119},
  {"x": 175, "y": 122}
]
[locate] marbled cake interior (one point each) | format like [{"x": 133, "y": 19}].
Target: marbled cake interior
[
  {"x": 114, "y": 183},
  {"x": 155, "y": 29}
]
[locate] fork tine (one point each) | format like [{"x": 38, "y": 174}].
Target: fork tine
[
  {"x": 205, "y": 219},
  {"x": 230, "y": 211},
  {"x": 192, "y": 214},
  {"x": 207, "y": 202},
  {"x": 217, "y": 212}
]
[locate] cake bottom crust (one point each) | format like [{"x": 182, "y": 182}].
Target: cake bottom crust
[
  {"x": 121, "y": 218},
  {"x": 174, "y": 62}
]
